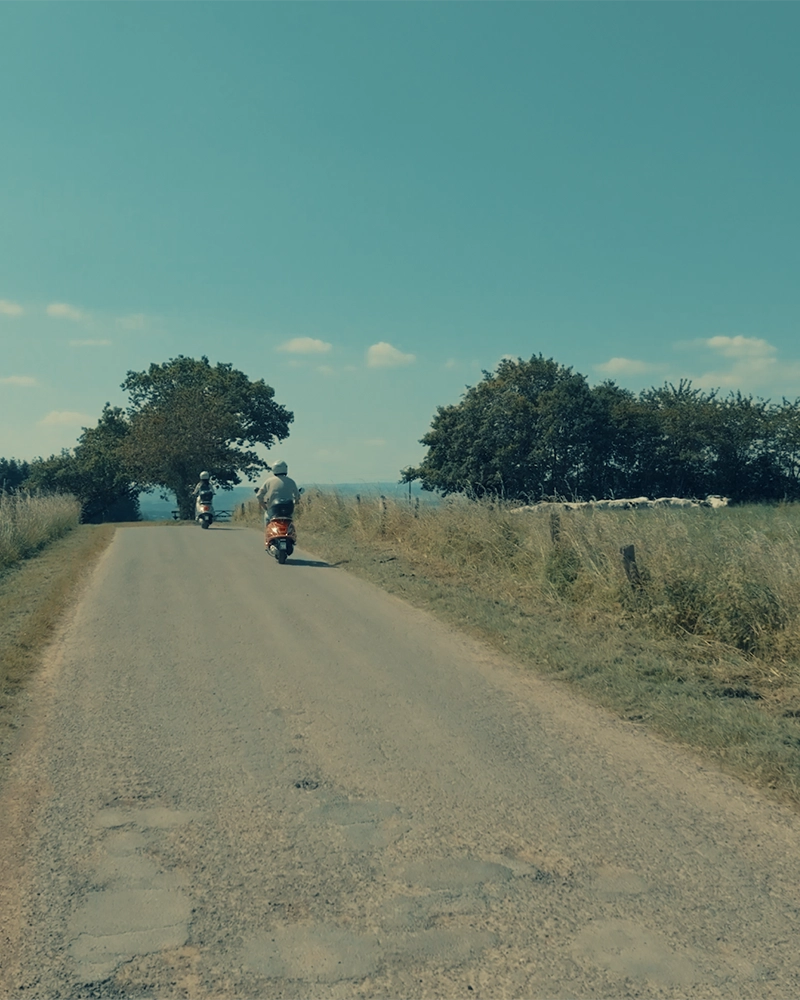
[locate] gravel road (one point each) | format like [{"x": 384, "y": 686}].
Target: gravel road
[{"x": 243, "y": 780}]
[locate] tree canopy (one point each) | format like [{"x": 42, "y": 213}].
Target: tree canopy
[
  {"x": 186, "y": 415},
  {"x": 535, "y": 429},
  {"x": 94, "y": 471}
]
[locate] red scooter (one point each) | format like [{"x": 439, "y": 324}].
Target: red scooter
[
  {"x": 280, "y": 534},
  {"x": 280, "y": 537}
]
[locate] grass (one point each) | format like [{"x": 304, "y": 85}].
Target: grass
[
  {"x": 706, "y": 651},
  {"x": 27, "y": 523},
  {"x": 34, "y": 593}
]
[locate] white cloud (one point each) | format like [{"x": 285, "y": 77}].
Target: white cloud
[
  {"x": 741, "y": 347},
  {"x": 89, "y": 343},
  {"x": 324, "y": 370},
  {"x": 10, "y": 308},
  {"x": 624, "y": 366},
  {"x": 305, "y": 345},
  {"x": 451, "y": 363},
  {"x": 383, "y": 355},
  {"x": 62, "y": 310},
  {"x": 25, "y": 380},
  {"x": 764, "y": 376},
  {"x": 66, "y": 418},
  {"x": 750, "y": 364},
  {"x": 375, "y": 442}
]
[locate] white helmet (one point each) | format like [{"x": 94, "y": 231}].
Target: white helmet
[
  {"x": 205, "y": 475},
  {"x": 280, "y": 468}
]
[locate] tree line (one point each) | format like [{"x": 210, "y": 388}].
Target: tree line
[
  {"x": 12, "y": 474},
  {"x": 536, "y": 429},
  {"x": 183, "y": 416}
]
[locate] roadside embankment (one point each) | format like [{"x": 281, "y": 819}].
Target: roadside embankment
[
  {"x": 34, "y": 593},
  {"x": 702, "y": 646}
]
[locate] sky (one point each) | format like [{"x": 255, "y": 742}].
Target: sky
[{"x": 368, "y": 205}]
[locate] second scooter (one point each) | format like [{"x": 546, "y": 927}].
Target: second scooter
[{"x": 203, "y": 508}]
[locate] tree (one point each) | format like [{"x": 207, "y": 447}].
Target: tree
[
  {"x": 784, "y": 436},
  {"x": 94, "y": 471},
  {"x": 684, "y": 451},
  {"x": 12, "y": 474},
  {"x": 745, "y": 464},
  {"x": 572, "y": 442},
  {"x": 187, "y": 415},
  {"x": 627, "y": 465},
  {"x": 530, "y": 429}
]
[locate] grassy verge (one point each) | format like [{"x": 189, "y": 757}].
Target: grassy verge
[
  {"x": 27, "y": 523},
  {"x": 706, "y": 651},
  {"x": 34, "y": 593}
]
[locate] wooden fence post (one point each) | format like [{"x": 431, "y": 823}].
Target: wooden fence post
[
  {"x": 383, "y": 514},
  {"x": 631, "y": 569},
  {"x": 555, "y": 527}
]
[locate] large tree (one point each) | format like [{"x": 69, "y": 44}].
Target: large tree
[
  {"x": 529, "y": 429},
  {"x": 94, "y": 471},
  {"x": 187, "y": 415}
]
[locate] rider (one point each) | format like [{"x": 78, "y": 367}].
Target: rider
[
  {"x": 204, "y": 486},
  {"x": 279, "y": 494}
]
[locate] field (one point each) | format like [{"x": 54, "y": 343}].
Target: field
[
  {"x": 705, "y": 648},
  {"x": 29, "y": 522}
]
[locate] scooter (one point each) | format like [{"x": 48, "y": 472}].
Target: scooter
[
  {"x": 280, "y": 534},
  {"x": 203, "y": 509},
  {"x": 280, "y": 537}
]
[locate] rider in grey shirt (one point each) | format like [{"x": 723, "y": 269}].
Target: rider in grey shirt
[{"x": 279, "y": 493}]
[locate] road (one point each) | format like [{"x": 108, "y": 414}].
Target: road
[{"x": 246, "y": 780}]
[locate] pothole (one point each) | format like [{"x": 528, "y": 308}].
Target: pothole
[{"x": 307, "y": 784}]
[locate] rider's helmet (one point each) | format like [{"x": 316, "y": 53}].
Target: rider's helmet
[
  {"x": 280, "y": 469},
  {"x": 204, "y": 475}
]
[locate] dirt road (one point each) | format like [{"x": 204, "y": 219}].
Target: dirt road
[{"x": 246, "y": 780}]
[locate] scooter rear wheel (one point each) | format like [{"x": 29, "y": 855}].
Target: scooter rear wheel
[{"x": 282, "y": 556}]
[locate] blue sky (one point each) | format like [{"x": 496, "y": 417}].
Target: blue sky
[{"x": 368, "y": 204}]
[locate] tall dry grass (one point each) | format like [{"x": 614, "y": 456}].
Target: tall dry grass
[
  {"x": 729, "y": 576},
  {"x": 29, "y": 522}
]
